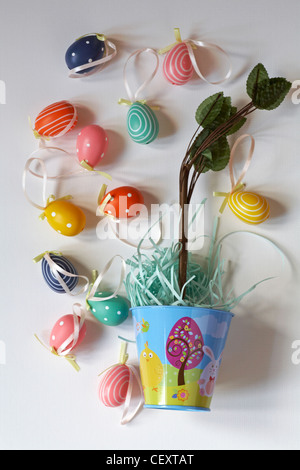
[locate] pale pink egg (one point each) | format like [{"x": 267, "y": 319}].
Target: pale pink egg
[
  {"x": 63, "y": 330},
  {"x": 114, "y": 385},
  {"x": 91, "y": 145},
  {"x": 177, "y": 66}
]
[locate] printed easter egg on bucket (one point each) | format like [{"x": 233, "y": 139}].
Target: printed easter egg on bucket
[
  {"x": 85, "y": 50},
  {"x": 249, "y": 207},
  {"x": 123, "y": 202},
  {"x": 91, "y": 146},
  {"x": 65, "y": 217},
  {"x": 56, "y": 120},
  {"x": 111, "y": 312},
  {"x": 51, "y": 277},
  {"x": 177, "y": 65},
  {"x": 114, "y": 386},
  {"x": 180, "y": 354},
  {"x": 142, "y": 124}
]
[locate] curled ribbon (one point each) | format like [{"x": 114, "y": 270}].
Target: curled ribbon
[
  {"x": 57, "y": 270},
  {"x": 79, "y": 319},
  {"x": 134, "y": 97},
  {"x": 97, "y": 279},
  {"x": 133, "y": 374},
  {"x": 238, "y": 185},
  {"x": 194, "y": 44},
  {"x": 84, "y": 165},
  {"x": 110, "y": 53}
]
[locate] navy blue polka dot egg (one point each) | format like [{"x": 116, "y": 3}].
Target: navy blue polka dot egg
[
  {"x": 85, "y": 50},
  {"x": 51, "y": 277}
]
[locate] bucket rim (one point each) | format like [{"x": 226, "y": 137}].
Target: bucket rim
[{"x": 181, "y": 307}]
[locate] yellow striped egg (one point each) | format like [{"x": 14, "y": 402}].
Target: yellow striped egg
[{"x": 249, "y": 207}]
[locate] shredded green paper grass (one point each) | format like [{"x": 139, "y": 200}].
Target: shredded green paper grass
[{"x": 153, "y": 279}]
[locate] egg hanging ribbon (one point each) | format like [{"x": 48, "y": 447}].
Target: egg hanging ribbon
[
  {"x": 192, "y": 44},
  {"x": 110, "y": 52},
  {"x": 63, "y": 216},
  {"x": 247, "y": 206},
  {"x": 71, "y": 342},
  {"x": 56, "y": 270},
  {"x": 105, "y": 385},
  {"x": 99, "y": 277},
  {"x": 142, "y": 124}
]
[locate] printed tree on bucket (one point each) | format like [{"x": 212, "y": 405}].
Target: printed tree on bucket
[{"x": 185, "y": 346}]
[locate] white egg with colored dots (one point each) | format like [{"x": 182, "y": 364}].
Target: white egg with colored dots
[
  {"x": 110, "y": 312},
  {"x": 249, "y": 207}
]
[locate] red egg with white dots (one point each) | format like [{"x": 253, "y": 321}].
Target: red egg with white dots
[
  {"x": 124, "y": 202},
  {"x": 91, "y": 146},
  {"x": 177, "y": 66},
  {"x": 62, "y": 334},
  {"x": 114, "y": 386}
]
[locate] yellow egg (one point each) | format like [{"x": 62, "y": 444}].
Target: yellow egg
[
  {"x": 65, "y": 217},
  {"x": 249, "y": 207}
]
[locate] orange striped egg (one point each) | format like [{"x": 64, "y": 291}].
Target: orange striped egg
[
  {"x": 114, "y": 385},
  {"x": 56, "y": 120},
  {"x": 249, "y": 207}
]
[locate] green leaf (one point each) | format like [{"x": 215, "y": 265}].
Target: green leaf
[
  {"x": 220, "y": 152},
  {"x": 258, "y": 75},
  {"x": 223, "y": 115},
  {"x": 209, "y": 109},
  {"x": 270, "y": 94}
]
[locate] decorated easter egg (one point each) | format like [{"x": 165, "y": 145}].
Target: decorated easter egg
[
  {"x": 249, "y": 207},
  {"x": 91, "y": 145},
  {"x": 56, "y": 120},
  {"x": 50, "y": 276},
  {"x": 125, "y": 202},
  {"x": 142, "y": 124},
  {"x": 62, "y": 334},
  {"x": 65, "y": 217},
  {"x": 85, "y": 50},
  {"x": 177, "y": 65},
  {"x": 114, "y": 385},
  {"x": 110, "y": 312}
]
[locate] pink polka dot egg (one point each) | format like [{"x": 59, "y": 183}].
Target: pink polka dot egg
[
  {"x": 177, "y": 65},
  {"x": 91, "y": 145},
  {"x": 114, "y": 385},
  {"x": 62, "y": 334}
]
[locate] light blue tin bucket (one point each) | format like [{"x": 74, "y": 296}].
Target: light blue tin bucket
[{"x": 180, "y": 350}]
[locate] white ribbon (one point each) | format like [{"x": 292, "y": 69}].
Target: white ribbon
[
  {"x": 133, "y": 97},
  {"x": 126, "y": 418},
  {"x": 94, "y": 287},
  {"x": 56, "y": 269},
  {"x": 44, "y": 176},
  {"x": 135, "y": 245},
  {"x": 190, "y": 42},
  {"x": 96, "y": 63}
]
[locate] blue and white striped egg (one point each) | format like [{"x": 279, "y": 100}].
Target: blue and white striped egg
[
  {"x": 84, "y": 50},
  {"x": 51, "y": 280},
  {"x": 142, "y": 124}
]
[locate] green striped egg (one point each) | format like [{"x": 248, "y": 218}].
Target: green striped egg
[{"x": 142, "y": 124}]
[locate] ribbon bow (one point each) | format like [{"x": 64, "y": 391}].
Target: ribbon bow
[
  {"x": 134, "y": 97},
  {"x": 133, "y": 374},
  {"x": 108, "y": 56},
  {"x": 238, "y": 185},
  {"x": 57, "y": 270},
  {"x": 192, "y": 44},
  {"x": 79, "y": 319}
]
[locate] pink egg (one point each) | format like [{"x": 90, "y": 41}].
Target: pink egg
[
  {"x": 91, "y": 145},
  {"x": 114, "y": 385},
  {"x": 177, "y": 66},
  {"x": 63, "y": 331}
]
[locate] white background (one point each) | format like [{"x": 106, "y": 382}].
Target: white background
[{"x": 44, "y": 403}]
